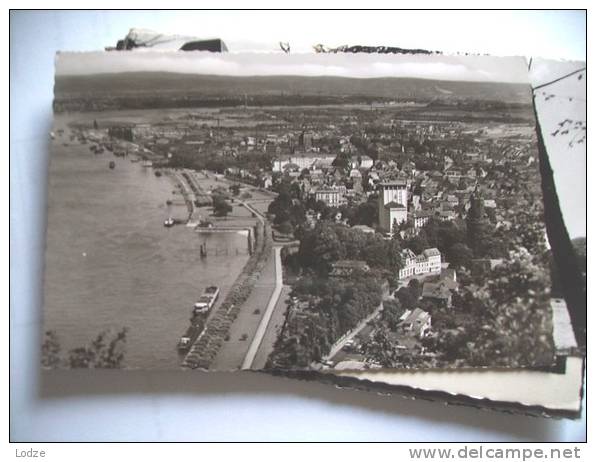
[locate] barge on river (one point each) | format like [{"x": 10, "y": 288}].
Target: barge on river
[{"x": 206, "y": 300}]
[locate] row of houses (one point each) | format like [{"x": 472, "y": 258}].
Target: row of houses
[{"x": 316, "y": 160}]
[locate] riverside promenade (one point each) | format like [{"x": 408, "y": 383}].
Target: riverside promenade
[
  {"x": 266, "y": 319},
  {"x": 228, "y": 329}
]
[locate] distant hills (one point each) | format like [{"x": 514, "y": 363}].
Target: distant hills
[{"x": 165, "y": 83}]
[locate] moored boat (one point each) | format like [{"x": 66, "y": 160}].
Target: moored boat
[
  {"x": 206, "y": 300},
  {"x": 190, "y": 336}
]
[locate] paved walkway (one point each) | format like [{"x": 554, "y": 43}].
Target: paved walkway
[
  {"x": 258, "y": 338},
  {"x": 273, "y": 329}
]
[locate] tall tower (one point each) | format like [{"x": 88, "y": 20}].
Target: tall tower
[
  {"x": 476, "y": 223},
  {"x": 393, "y": 204}
]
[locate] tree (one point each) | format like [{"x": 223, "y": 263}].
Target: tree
[
  {"x": 50, "y": 350},
  {"x": 329, "y": 308},
  {"x": 375, "y": 253},
  {"x": 407, "y": 298},
  {"x": 415, "y": 288},
  {"x": 367, "y": 213},
  {"x": 286, "y": 227},
  {"x": 320, "y": 247},
  {"x": 448, "y": 234},
  {"x": 391, "y": 314},
  {"x": 459, "y": 255},
  {"x": 381, "y": 350},
  {"x": 281, "y": 202},
  {"x": 235, "y": 189},
  {"x": 393, "y": 252},
  {"x": 395, "y": 230},
  {"x": 417, "y": 243},
  {"x": 295, "y": 191},
  {"x": 297, "y": 214},
  {"x": 105, "y": 351},
  {"x": 342, "y": 161},
  {"x": 221, "y": 208},
  {"x": 281, "y": 216}
]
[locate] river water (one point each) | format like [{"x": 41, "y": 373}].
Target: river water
[{"x": 111, "y": 263}]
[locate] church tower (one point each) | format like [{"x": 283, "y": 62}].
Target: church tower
[
  {"x": 393, "y": 204},
  {"x": 476, "y": 223}
]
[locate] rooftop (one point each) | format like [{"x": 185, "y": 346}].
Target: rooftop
[
  {"x": 352, "y": 264},
  {"x": 435, "y": 290},
  {"x": 394, "y": 205},
  {"x": 398, "y": 182},
  {"x": 416, "y": 316},
  {"x": 432, "y": 252}
]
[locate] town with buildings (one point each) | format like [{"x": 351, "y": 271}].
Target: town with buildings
[{"x": 410, "y": 233}]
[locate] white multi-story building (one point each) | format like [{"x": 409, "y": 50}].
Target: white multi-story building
[
  {"x": 333, "y": 197},
  {"x": 303, "y": 160},
  {"x": 428, "y": 262},
  {"x": 420, "y": 218},
  {"x": 393, "y": 204}
]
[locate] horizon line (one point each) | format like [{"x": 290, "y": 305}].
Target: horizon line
[{"x": 291, "y": 75}]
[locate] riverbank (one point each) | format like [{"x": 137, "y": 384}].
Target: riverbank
[
  {"x": 111, "y": 263},
  {"x": 218, "y": 328},
  {"x": 243, "y": 330}
]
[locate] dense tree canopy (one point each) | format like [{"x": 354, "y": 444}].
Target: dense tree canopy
[
  {"x": 105, "y": 351},
  {"x": 221, "y": 207},
  {"x": 328, "y": 309}
]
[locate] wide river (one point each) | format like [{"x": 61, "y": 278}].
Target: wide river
[{"x": 111, "y": 263}]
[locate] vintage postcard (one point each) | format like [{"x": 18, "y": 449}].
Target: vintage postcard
[{"x": 295, "y": 212}]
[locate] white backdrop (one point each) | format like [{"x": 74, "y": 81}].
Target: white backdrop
[{"x": 139, "y": 406}]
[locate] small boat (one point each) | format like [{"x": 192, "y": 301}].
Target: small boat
[
  {"x": 112, "y": 164},
  {"x": 206, "y": 300},
  {"x": 169, "y": 222},
  {"x": 189, "y": 337}
]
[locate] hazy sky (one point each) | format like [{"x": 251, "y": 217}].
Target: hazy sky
[{"x": 441, "y": 67}]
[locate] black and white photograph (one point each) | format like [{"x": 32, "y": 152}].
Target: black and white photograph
[{"x": 327, "y": 212}]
